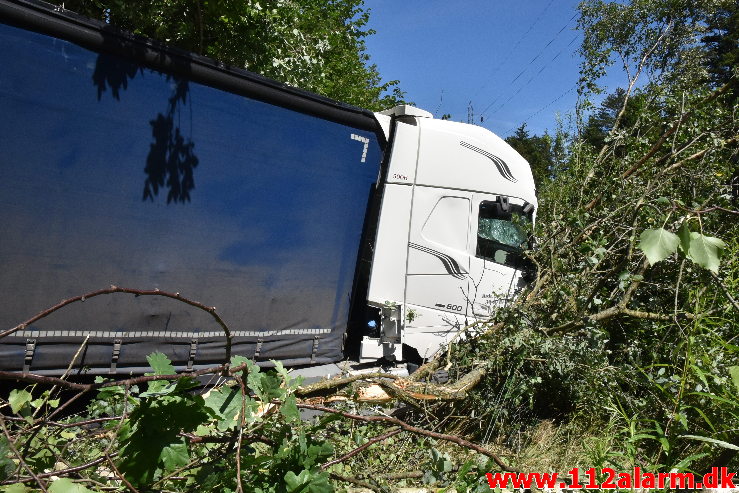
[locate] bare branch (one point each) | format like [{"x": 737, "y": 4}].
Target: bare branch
[
  {"x": 211, "y": 310},
  {"x": 120, "y": 475},
  {"x": 58, "y": 424},
  {"x": 413, "y": 429},
  {"x": 359, "y": 449},
  {"x": 33, "y": 378},
  {"x": 240, "y": 435},
  {"x": 630, "y": 88},
  {"x": 333, "y": 383},
  {"x": 11, "y": 445},
  {"x": 60, "y": 472},
  {"x": 356, "y": 482}
]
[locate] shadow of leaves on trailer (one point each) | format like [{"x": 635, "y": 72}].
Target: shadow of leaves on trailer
[{"x": 171, "y": 160}]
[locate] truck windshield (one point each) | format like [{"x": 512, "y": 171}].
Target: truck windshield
[{"x": 500, "y": 233}]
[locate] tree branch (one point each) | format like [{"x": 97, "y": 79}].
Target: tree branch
[
  {"x": 120, "y": 475},
  {"x": 666, "y": 135},
  {"x": 725, "y": 291},
  {"x": 211, "y": 310},
  {"x": 359, "y": 449},
  {"x": 418, "y": 431},
  {"x": 61, "y": 472},
  {"x": 333, "y": 383},
  {"x": 697, "y": 155},
  {"x": 356, "y": 482},
  {"x": 11, "y": 445}
]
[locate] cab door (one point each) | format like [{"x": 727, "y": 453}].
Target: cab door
[
  {"x": 438, "y": 252},
  {"x": 497, "y": 240}
]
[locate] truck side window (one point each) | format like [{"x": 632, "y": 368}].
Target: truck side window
[
  {"x": 500, "y": 235},
  {"x": 448, "y": 222}
]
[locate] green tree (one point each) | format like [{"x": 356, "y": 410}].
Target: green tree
[
  {"x": 722, "y": 61},
  {"x": 600, "y": 122},
  {"x": 721, "y": 43},
  {"x": 630, "y": 327},
  {"x": 316, "y": 45},
  {"x": 539, "y": 151}
]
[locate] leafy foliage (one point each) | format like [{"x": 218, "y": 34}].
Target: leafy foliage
[
  {"x": 599, "y": 123},
  {"x": 722, "y": 51},
  {"x": 629, "y": 330},
  {"x": 315, "y": 45},
  {"x": 155, "y": 435}
]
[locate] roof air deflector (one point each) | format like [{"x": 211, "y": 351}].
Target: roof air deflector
[{"x": 406, "y": 110}]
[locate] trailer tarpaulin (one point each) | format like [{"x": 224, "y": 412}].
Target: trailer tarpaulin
[{"x": 114, "y": 172}]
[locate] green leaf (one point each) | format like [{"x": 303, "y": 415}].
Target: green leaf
[
  {"x": 290, "y": 410},
  {"x": 238, "y": 361},
  {"x": 665, "y": 444},
  {"x": 283, "y": 373},
  {"x": 272, "y": 387},
  {"x": 150, "y": 439},
  {"x": 705, "y": 251},
  {"x": 319, "y": 484},
  {"x": 294, "y": 481},
  {"x": 68, "y": 435},
  {"x": 158, "y": 388},
  {"x": 720, "y": 443},
  {"x": 226, "y": 404},
  {"x": 734, "y": 372},
  {"x": 307, "y": 482},
  {"x": 15, "y": 488},
  {"x": 7, "y": 466},
  {"x": 65, "y": 485},
  {"x": 658, "y": 244},
  {"x": 687, "y": 461},
  {"x": 160, "y": 364},
  {"x": 174, "y": 456},
  {"x": 18, "y": 399},
  {"x": 466, "y": 467},
  {"x": 684, "y": 234}
]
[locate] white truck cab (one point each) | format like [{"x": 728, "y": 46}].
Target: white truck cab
[{"x": 450, "y": 233}]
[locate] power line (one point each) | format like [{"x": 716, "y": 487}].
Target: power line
[
  {"x": 532, "y": 115},
  {"x": 531, "y": 62},
  {"x": 552, "y": 40},
  {"x": 518, "y": 43},
  {"x": 531, "y": 27},
  {"x": 541, "y": 69}
]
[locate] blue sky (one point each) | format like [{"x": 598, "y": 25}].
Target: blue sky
[{"x": 515, "y": 61}]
